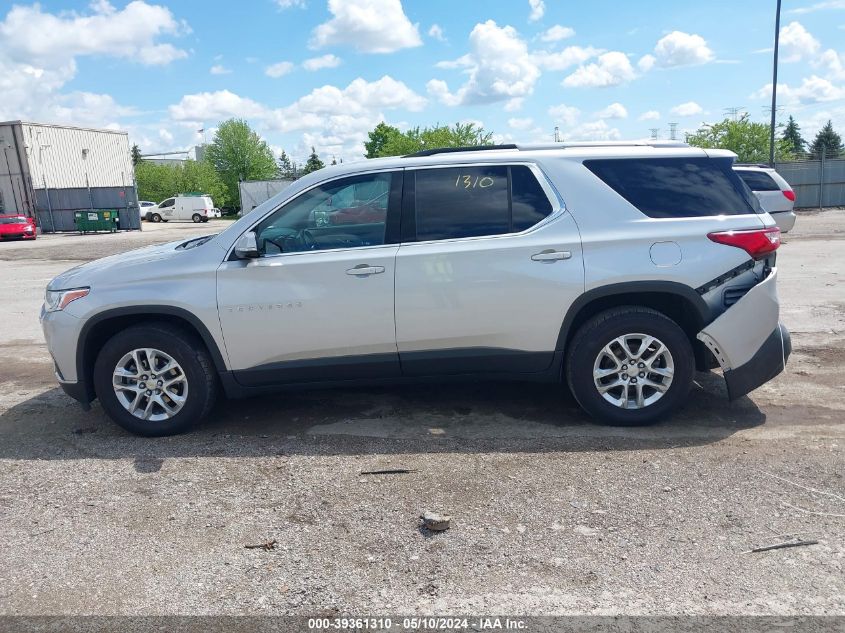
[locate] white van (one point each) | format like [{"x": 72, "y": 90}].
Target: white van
[{"x": 196, "y": 208}]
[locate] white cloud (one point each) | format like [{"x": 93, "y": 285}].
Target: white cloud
[
  {"x": 499, "y": 68},
  {"x": 567, "y": 115},
  {"x": 214, "y": 106},
  {"x": 832, "y": 64},
  {"x": 796, "y": 43},
  {"x": 813, "y": 89},
  {"x": 30, "y": 35},
  {"x": 538, "y": 10},
  {"x": 39, "y": 51},
  {"x": 613, "y": 111},
  {"x": 646, "y": 63},
  {"x": 370, "y": 26},
  {"x": 324, "y": 61},
  {"x": 557, "y": 33},
  {"x": 593, "y": 131},
  {"x": 512, "y": 105},
  {"x": 219, "y": 69},
  {"x": 682, "y": 49},
  {"x": 569, "y": 56},
  {"x": 651, "y": 115},
  {"x": 820, "y": 6},
  {"x": 690, "y": 108},
  {"x": 279, "y": 69},
  {"x": 521, "y": 124},
  {"x": 436, "y": 32},
  {"x": 611, "y": 69}
]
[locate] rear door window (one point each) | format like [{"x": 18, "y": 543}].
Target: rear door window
[
  {"x": 676, "y": 187},
  {"x": 758, "y": 180},
  {"x": 477, "y": 201}
]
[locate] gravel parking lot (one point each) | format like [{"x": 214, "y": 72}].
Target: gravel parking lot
[{"x": 551, "y": 514}]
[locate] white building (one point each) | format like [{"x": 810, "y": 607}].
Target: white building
[{"x": 49, "y": 171}]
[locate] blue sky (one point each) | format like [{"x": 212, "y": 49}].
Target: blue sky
[{"x": 322, "y": 73}]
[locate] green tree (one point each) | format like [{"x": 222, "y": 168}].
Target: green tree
[
  {"x": 158, "y": 182},
  {"x": 286, "y": 167},
  {"x": 388, "y": 141},
  {"x": 313, "y": 163},
  {"x": 827, "y": 142},
  {"x": 379, "y": 137},
  {"x": 136, "y": 154},
  {"x": 748, "y": 140},
  {"x": 238, "y": 153},
  {"x": 793, "y": 138}
]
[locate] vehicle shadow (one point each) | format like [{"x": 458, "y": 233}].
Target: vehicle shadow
[{"x": 430, "y": 418}]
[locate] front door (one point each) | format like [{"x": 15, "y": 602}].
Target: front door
[
  {"x": 318, "y": 304},
  {"x": 485, "y": 282}
]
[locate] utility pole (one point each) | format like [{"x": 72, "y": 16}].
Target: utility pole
[
  {"x": 673, "y": 131},
  {"x": 557, "y": 134},
  {"x": 733, "y": 111},
  {"x": 655, "y": 133},
  {"x": 774, "y": 88}
]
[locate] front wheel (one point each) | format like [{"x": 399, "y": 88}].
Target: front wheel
[
  {"x": 155, "y": 380},
  {"x": 630, "y": 366},
  {"x": 155, "y": 217}
]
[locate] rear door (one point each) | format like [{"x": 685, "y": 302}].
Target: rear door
[{"x": 489, "y": 264}]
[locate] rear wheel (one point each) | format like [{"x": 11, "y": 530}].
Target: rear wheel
[
  {"x": 155, "y": 217},
  {"x": 155, "y": 380},
  {"x": 197, "y": 218},
  {"x": 630, "y": 366}
]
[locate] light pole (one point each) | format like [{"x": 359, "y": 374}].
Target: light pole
[{"x": 774, "y": 88}]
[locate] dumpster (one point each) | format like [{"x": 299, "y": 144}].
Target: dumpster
[{"x": 98, "y": 220}]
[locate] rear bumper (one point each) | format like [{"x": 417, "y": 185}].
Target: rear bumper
[
  {"x": 748, "y": 340},
  {"x": 768, "y": 362},
  {"x": 784, "y": 219}
]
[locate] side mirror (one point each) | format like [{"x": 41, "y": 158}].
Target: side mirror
[{"x": 247, "y": 246}]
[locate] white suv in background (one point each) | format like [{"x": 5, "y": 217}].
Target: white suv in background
[
  {"x": 774, "y": 193},
  {"x": 618, "y": 268}
]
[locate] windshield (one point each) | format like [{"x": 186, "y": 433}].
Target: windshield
[{"x": 13, "y": 221}]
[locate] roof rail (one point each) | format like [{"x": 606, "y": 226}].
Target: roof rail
[
  {"x": 580, "y": 144},
  {"x": 452, "y": 150},
  {"x": 763, "y": 165}
]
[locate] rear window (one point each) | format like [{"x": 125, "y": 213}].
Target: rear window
[
  {"x": 676, "y": 187},
  {"x": 476, "y": 201},
  {"x": 758, "y": 180}
]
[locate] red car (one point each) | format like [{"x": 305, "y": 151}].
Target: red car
[{"x": 16, "y": 227}]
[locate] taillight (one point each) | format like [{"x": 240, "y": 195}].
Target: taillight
[
  {"x": 789, "y": 195},
  {"x": 758, "y": 242}
]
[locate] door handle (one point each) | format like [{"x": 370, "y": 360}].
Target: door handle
[
  {"x": 363, "y": 270},
  {"x": 551, "y": 256}
]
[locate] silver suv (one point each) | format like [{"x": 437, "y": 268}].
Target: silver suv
[{"x": 619, "y": 268}]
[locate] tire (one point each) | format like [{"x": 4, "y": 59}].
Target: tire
[
  {"x": 155, "y": 217},
  {"x": 589, "y": 358},
  {"x": 197, "y": 218},
  {"x": 205, "y": 219},
  {"x": 195, "y": 380}
]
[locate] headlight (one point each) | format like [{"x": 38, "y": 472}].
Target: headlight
[{"x": 59, "y": 299}]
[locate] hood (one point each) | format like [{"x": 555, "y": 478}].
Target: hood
[{"x": 122, "y": 266}]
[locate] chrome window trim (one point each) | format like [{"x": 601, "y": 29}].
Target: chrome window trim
[{"x": 558, "y": 206}]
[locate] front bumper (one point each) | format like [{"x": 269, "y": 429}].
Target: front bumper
[{"x": 768, "y": 362}]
